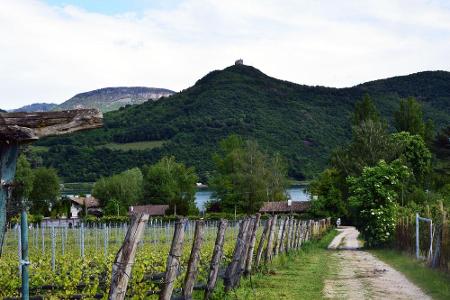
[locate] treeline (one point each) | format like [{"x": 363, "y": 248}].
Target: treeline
[
  {"x": 382, "y": 173},
  {"x": 244, "y": 177}
]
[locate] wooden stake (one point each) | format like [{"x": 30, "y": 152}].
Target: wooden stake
[
  {"x": 173, "y": 260},
  {"x": 215, "y": 260},
  {"x": 262, "y": 240},
  {"x": 248, "y": 264},
  {"x": 233, "y": 269},
  {"x": 269, "y": 249},
  {"x": 192, "y": 270},
  {"x": 124, "y": 260}
]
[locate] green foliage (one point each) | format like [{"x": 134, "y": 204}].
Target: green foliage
[
  {"x": 119, "y": 191},
  {"x": 170, "y": 182},
  {"x": 409, "y": 117},
  {"x": 302, "y": 123},
  {"x": 365, "y": 110},
  {"x": 45, "y": 190},
  {"x": 374, "y": 197},
  {"x": 329, "y": 201},
  {"x": 414, "y": 153},
  {"x": 23, "y": 178},
  {"x": 246, "y": 177}
]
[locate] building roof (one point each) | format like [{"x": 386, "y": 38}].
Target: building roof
[
  {"x": 284, "y": 207},
  {"x": 89, "y": 201},
  {"x": 152, "y": 210}
]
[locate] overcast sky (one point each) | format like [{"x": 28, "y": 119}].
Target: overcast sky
[{"x": 51, "y": 50}]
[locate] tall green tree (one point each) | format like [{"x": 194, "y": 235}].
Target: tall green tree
[
  {"x": 172, "y": 183},
  {"x": 116, "y": 193},
  {"x": 245, "y": 176},
  {"x": 409, "y": 117},
  {"x": 45, "y": 190},
  {"x": 365, "y": 110}
]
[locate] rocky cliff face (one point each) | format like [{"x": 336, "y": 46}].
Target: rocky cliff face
[{"x": 113, "y": 98}]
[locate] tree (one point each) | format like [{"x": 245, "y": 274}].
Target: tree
[
  {"x": 329, "y": 201},
  {"x": 409, "y": 117},
  {"x": 172, "y": 183},
  {"x": 45, "y": 190},
  {"x": 365, "y": 110},
  {"x": 245, "y": 176},
  {"x": 23, "y": 187},
  {"x": 116, "y": 193},
  {"x": 373, "y": 200},
  {"x": 414, "y": 153}
]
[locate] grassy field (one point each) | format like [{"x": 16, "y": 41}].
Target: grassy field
[
  {"x": 434, "y": 283},
  {"x": 298, "y": 275},
  {"x": 134, "y": 146}
]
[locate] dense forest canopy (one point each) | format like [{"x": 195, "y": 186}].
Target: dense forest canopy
[{"x": 302, "y": 123}]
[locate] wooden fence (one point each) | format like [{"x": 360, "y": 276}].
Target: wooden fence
[
  {"x": 435, "y": 250},
  {"x": 248, "y": 255}
]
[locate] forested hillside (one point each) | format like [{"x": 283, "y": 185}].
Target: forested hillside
[{"x": 303, "y": 123}]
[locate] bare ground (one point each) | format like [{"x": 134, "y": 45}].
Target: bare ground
[{"x": 360, "y": 275}]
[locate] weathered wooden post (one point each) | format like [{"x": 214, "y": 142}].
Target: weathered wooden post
[
  {"x": 232, "y": 274},
  {"x": 249, "y": 260},
  {"x": 215, "y": 260},
  {"x": 283, "y": 235},
  {"x": 191, "y": 274},
  {"x": 269, "y": 249},
  {"x": 173, "y": 260},
  {"x": 121, "y": 270},
  {"x": 264, "y": 235},
  {"x": 280, "y": 233}
]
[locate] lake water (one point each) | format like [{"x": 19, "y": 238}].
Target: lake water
[{"x": 296, "y": 193}]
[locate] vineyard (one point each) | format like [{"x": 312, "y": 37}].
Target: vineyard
[{"x": 76, "y": 263}]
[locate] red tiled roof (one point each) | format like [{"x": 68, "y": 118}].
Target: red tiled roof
[
  {"x": 152, "y": 210},
  {"x": 88, "y": 201},
  {"x": 282, "y": 206}
]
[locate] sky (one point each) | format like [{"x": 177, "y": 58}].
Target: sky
[{"x": 51, "y": 50}]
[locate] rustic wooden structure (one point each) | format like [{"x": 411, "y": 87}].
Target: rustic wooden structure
[
  {"x": 215, "y": 260},
  {"x": 121, "y": 270},
  {"x": 249, "y": 259},
  {"x": 191, "y": 274},
  {"x": 262, "y": 240},
  {"x": 173, "y": 260},
  {"x": 20, "y": 128},
  {"x": 269, "y": 249}
]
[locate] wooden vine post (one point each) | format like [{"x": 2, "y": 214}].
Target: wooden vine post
[
  {"x": 215, "y": 260},
  {"x": 124, "y": 260},
  {"x": 192, "y": 270},
  {"x": 21, "y": 128},
  {"x": 264, "y": 235},
  {"x": 248, "y": 263},
  {"x": 269, "y": 249},
  {"x": 233, "y": 270},
  {"x": 173, "y": 260}
]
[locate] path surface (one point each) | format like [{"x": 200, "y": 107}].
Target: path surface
[{"x": 360, "y": 275}]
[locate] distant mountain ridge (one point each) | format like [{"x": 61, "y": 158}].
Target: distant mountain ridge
[
  {"x": 113, "y": 98},
  {"x": 35, "y": 107},
  {"x": 303, "y": 123}
]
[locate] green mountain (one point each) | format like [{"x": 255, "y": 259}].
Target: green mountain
[
  {"x": 304, "y": 123},
  {"x": 113, "y": 98},
  {"x": 36, "y": 107}
]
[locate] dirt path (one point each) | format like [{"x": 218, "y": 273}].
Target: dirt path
[{"x": 360, "y": 275}]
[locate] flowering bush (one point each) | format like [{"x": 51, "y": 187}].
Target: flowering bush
[{"x": 373, "y": 199}]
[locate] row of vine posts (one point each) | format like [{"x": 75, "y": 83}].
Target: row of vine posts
[
  {"x": 290, "y": 236},
  {"x": 436, "y": 251}
]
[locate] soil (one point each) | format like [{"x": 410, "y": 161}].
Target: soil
[{"x": 360, "y": 275}]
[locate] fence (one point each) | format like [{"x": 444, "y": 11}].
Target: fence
[
  {"x": 76, "y": 262},
  {"x": 435, "y": 250}
]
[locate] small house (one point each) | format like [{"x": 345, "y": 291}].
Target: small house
[
  {"x": 285, "y": 207},
  {"x": 150, "y": 209}
]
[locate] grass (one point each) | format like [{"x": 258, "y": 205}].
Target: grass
[
  {"x": 147, "y": 145},
  {"x": 433, "y": 282},
  {"x": 297, "y": 275},
  {"x": 39, "y": 149}
]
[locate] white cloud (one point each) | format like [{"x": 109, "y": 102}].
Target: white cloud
[{"x": 50, "y": 53}]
